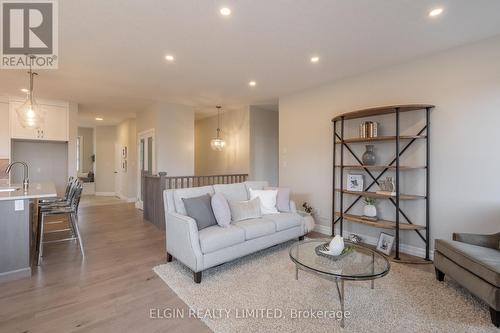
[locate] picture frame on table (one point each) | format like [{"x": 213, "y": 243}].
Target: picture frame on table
[
  {"x": 385, "y": 243},
  {"x": 355, "y": 183}
]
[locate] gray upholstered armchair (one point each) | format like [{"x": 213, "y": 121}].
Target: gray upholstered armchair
[{"x": 473, "y": 261}]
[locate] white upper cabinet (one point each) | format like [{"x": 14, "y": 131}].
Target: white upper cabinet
[
  {"x": 55, "y": 126},
  {"x": 4, "y": 129}
]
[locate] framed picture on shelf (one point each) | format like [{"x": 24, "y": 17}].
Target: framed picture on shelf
[
  {"x": 355, "y": 183},
  {"x": 385, "y": 243}
]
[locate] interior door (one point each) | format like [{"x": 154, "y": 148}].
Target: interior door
[
  {"x": 118, "y": 171},
  {"x": 146, "y": 162}
]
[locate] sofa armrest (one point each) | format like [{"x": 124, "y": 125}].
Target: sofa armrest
[
  {"x": 293, "y": 206},
  {"x": 490, "y": 241},
  {"x": 182, "y": 240}
]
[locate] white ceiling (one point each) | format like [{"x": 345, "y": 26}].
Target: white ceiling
[{"x": 112, "y": 52}]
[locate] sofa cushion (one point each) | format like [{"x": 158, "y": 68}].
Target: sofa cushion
[
  {"x": 200, "y": 209},
  {"x": 232, "y": 192},
  {"x": 215, "y": 238},
  {"x": 481, "y": 261},
  {"x": 244, "y": 210},
  {"x": 284, "y": 221},
  {"x": 255, "y": 185},
  {"x": 181, "y": 193},
  {"x": 255, "y": 228},
  {"x": 221, "y": 210}
]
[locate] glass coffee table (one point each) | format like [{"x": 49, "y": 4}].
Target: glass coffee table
[{"x": 361, "y": 264}]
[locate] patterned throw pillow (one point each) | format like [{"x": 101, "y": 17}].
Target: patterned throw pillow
[{"x": 244, "y": 210}]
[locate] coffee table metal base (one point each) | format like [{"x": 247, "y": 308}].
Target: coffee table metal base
[{"x": 340, "y": 291}]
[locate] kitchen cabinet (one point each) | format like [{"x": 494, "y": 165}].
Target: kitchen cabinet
[
  {"x": 4, "y": 130},
  {"x": 55, "y": 127}
]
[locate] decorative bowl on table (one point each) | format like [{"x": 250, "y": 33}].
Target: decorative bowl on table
[{"x": 323, "y": 251}]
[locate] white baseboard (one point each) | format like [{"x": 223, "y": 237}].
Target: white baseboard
[
  {"x": 404, "y": 248},
  {"x": 323, "y": 229},
  {"x": 106, "y": 194},
  {"x": 127, "y": 199}
]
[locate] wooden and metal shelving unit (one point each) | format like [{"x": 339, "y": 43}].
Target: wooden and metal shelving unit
[{"x": 375, "y": 172}]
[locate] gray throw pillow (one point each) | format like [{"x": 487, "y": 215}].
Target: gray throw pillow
[
  {"x": 244, "y": 210},
  {"x": 221, "y": 210},
  {"x": 200, "y": 209}
]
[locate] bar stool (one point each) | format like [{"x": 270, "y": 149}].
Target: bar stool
[
  {"x": 70, "y": 210},
  {"x": 71, "y": 182}
]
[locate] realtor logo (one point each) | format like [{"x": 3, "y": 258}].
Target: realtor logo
[{"x": 29, "y": 28}]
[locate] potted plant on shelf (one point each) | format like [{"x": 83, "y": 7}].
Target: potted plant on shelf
[{"x": 370, "y": 210}]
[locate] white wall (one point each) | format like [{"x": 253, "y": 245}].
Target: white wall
[
  {"x": 174, "y": 135},
  {"x": 235, "y": 158},
  {"x": 87, "y": 133},
  {"x": 105, "y": 137},
  {"x": 73, "y": 134},
  {"x": 126, "y": 137},
  {"x": 264, "y": 146},
  {"x": 463, "y": 83}
]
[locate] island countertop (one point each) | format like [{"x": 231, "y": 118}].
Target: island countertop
[{"x": 35, "y": 191}]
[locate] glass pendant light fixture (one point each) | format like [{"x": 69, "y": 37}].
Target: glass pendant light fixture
[
  {"x": 30, "y": 115},
  {"x": 218, "y": 143}
]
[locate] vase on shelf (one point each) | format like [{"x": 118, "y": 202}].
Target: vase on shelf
[
  {"x": 370, "y": 211},
  {"x": 369, "y": 157}
]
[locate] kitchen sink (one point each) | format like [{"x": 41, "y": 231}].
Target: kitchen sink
[{"x": 8, "y": 189}]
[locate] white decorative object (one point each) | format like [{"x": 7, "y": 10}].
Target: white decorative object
[
  {"x": 355, "y": 183},
  {"x": 336, "y": 246},
  {"x": 370, "y": 211},
  {"x": 267, "y": 200}
]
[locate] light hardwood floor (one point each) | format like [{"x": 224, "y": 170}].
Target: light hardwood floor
[{"x": 112, "y": 290}]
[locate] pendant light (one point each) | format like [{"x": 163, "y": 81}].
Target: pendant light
[
  {"x": 218, "y": 143},
  {"x": 30, "y": 114}
]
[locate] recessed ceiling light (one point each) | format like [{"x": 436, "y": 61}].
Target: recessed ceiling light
[
  {"x": 169, "y": 57},
  {"x": 314, "y": 59},
  {"x": 224, "y": 11},
  {"x": 99, "y": 119},
  {"x": 252, "y": 83},
  {"x": 24, "y": 90},
  {"x": 436, "y": 12}
]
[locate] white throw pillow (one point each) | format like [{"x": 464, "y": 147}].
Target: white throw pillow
[{"x": 267, "y": 200}]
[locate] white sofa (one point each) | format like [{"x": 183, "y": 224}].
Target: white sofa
[{"x": 212, "y": 246}]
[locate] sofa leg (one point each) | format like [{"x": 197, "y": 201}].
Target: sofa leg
[
  {"x": 301, "y": 238},
  {"x": 495, "y": 317},
  {"x": 169, "y": 257},
  {"x": 439, "y": 274},
  {"x": 197, "y": 277}
]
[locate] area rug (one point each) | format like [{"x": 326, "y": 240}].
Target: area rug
[{"x": 259, "y": 293}]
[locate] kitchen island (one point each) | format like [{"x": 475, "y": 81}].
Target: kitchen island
[{"x": 18, "y": 227}]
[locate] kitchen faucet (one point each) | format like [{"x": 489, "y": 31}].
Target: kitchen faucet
[{"x": 26, "y": 173}]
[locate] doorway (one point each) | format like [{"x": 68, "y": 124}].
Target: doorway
[{"x": 146, "y": 162}]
